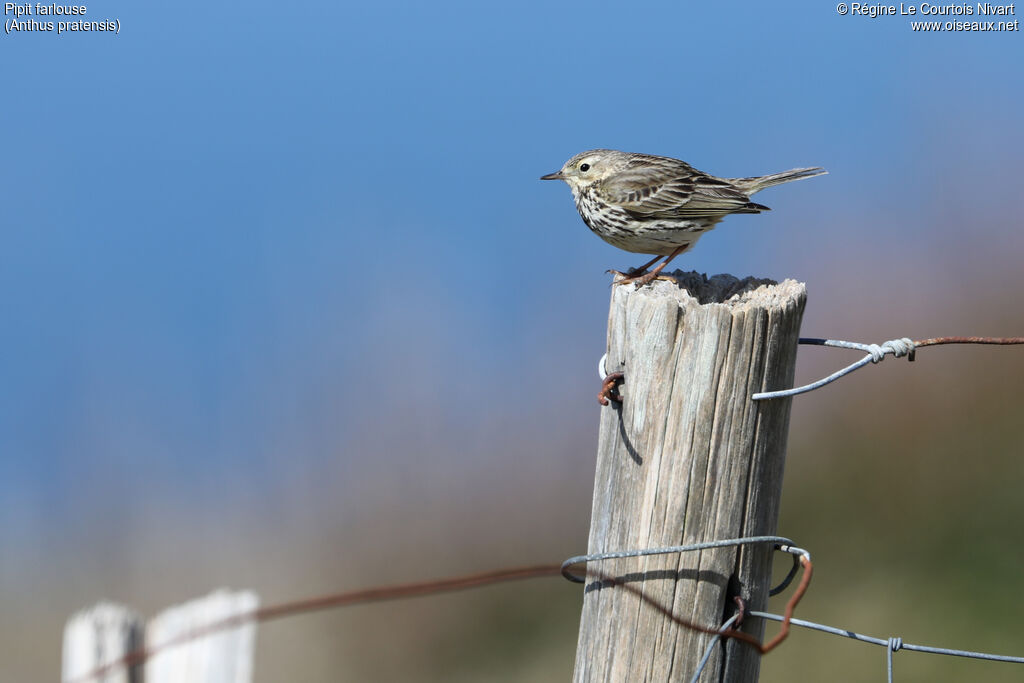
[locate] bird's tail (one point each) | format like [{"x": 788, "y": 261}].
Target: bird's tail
[{"x": 758, "y": 183}]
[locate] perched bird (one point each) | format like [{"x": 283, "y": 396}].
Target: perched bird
[{"x": 657, "y": 205}]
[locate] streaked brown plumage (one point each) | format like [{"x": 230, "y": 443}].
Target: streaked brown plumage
[{"x": 657, "y": 205}]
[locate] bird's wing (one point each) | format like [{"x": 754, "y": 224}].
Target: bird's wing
[{"x": 674, "y": 192}]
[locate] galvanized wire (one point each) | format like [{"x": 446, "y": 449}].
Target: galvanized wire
[
  {"x": 891, "y": 645},
  {"x": 780, "y": 541},
  {"x": 875, "y": 354},
  {"x": 711, "y": 647},
  {"x": 404, "y": 591}
]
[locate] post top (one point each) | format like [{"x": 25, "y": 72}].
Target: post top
[{"x": 723, "y": 289}]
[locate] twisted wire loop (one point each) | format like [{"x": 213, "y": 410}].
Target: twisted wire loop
[
  {"x": 895, "y": 644},
  {"x": 875, "y": 353},
  {"x": 899, "y": 348}
]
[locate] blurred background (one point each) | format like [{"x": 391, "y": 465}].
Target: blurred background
[{"x": 285, "y": 307}]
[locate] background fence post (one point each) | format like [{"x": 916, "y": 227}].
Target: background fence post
[
  {"x": 195, "y": 642},
  {"x": 98, "y": 636},
  {"x": 688, "y": 457},
  {"x": 222, "y": 656}
]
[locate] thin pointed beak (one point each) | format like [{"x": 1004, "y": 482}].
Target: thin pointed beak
[{"x": 553, "y": 176}]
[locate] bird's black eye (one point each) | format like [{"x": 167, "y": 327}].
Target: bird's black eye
[{"x": 584, "y": 168}]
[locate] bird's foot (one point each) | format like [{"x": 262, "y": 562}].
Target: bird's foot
[
  {"x": 610, "y": 388},
  {"x": 622, "y": 278},
  {"x": 639, "y": 277}
]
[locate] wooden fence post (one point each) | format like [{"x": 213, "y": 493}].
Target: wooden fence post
[
  {"x": 209, "y": 640},
  {"x": 99, "y": 636},
  {"x": 222, "y": 656},
  {"x": 686, "y": 458}
]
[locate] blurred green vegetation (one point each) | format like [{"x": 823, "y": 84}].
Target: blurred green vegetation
[
  {"x": 910, "y": 499},
  {"x": 904, "y": 481},
  {"x": 905, "y": 485}
]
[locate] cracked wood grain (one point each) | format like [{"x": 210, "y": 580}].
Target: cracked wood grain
[{"x": 688, "y": 457}]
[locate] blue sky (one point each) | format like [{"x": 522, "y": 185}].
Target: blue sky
[{"x": 222, "y": 221}]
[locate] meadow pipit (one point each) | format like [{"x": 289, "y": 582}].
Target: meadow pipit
[{"x": 657, "y": 205}]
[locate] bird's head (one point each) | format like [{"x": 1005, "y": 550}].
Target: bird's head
[{"x": 586, "y": 168}]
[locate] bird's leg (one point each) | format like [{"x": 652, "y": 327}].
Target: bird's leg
[
  {"x": 643, "y": 269},
  {"x": 643, "y": 278},
  {"x": 634, "y": 272}
]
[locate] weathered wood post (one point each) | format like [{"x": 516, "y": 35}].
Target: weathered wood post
[
  {"x": 220, "y": 655},
  {"x": 98, "y": 637},
  {"x": 686, "y": 458},
  {"x": 209, "y": 640}
]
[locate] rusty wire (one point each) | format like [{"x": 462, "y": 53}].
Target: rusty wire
[
  {"x": 730, "y": 629},
  {"x": 900, "y": 347},
  {"x": 327, "y": 601},
  {"x": 423, "y": 588},
  {"x": 781, "y": 543}
]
